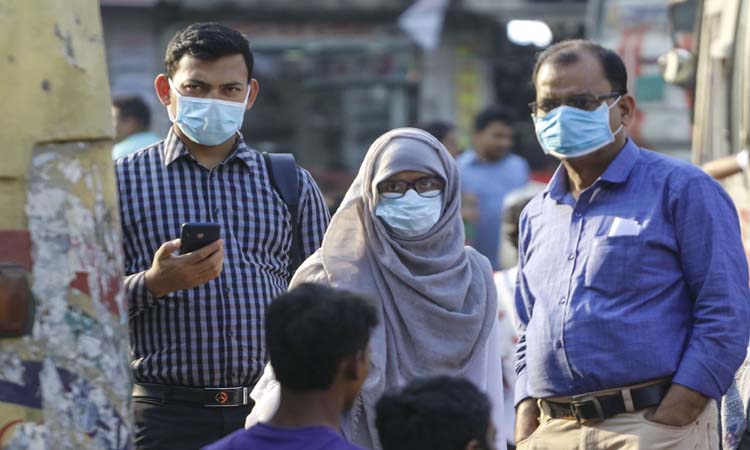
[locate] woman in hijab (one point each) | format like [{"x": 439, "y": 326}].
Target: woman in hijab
[{"x": 398, "y": 238}]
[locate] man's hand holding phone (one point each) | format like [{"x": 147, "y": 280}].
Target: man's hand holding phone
[{"x": 170, "y": 272}]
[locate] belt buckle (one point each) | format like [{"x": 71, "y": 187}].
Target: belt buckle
[
  {"x": 579, "y": 401},
  {"x": 222, "y": 397}
]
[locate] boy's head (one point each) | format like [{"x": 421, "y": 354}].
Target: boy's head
[
  {"x": 440, "y": 413},
  {"x": 318, "y": 338},
  {"x": 493, "y": 133}
]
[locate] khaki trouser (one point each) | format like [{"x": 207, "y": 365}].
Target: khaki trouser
[{"x": 627, "y": 431}]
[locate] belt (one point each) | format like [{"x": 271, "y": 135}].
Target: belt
[
  {"x": 592, "y": 407},
  {"x": 208, "y": 397}
]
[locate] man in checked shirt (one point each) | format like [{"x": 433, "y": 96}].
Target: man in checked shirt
[{"x": 197, "y": 319}]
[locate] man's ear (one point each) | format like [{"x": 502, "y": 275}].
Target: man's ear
[
  {"x": 349, "y": 368},
  {"x": 355, "y": 367},
  {"x": 161, "y": 86},
  {"x": 254, "y": 88},
  {"x": 627, "y": 109},
  {"x": 473, "y": 445}
]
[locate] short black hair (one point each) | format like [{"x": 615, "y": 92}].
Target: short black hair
[
  {"x": 440, "y": 413},
  {"x": 492, "y": 114},
  {"x": 569, "y": 52},
  {"x": 438, "y": 129},
  {"x": 133, "y": 107},
  {"x": 311, "y": 329},
  {"x": 207, "y": 41}
]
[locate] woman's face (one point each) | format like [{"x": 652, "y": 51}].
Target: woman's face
[{"x": 410, "y": 203}]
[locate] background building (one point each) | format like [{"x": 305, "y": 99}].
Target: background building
[{"x": 335, "y": 74}]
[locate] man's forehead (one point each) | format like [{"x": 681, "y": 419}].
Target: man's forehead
[
  {"x": 225, "y": 70},
  {"x": 584, "y": 76}
]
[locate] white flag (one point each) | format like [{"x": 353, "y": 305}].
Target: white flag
[{"x": 423, "y": 21}]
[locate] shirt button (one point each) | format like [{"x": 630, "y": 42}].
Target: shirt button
[
  {"x": 562, "y": 300},
  {"x": 558, "y": 345},
  {"x": 571, "y": 257},
  {"x": 217, "y": 212},
  {"x": 578, "y": 214},
  {"x": 227, "y": 291}
]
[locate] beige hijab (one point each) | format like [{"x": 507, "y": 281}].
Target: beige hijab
[{"x": 436, "y": 297}]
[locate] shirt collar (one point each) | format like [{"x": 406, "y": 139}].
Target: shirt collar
[
  {"x": 472, "y": 157},
  {"x": 175, "y": 149},
  {"x": 617, "y": 172}
]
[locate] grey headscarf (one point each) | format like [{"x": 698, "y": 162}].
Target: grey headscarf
[{"x": 437, "y": 297}]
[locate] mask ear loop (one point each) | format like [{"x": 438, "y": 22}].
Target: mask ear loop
[
  {"x": 177, "y": 100},
  {"x": 609, "y": 107}
]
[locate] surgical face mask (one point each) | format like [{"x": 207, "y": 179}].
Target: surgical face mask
[
  {"x": 568, "y": 132},
  {"x": 207, "y": 121},
  {"x": 411, "y": 215}
]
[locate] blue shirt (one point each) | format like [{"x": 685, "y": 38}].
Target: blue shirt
[
  {"x": 643, "y": 277},
  {"x": 211, "y": 335},
  {"x": 489, "y": 182},
  {"x": 133, "y": 143},
  {"x": 267, "y": 437}
]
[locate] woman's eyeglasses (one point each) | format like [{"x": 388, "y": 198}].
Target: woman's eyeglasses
[{"x": 426, "y": 187}]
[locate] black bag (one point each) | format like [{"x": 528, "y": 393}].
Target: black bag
[{"x": 282, "y": 170}]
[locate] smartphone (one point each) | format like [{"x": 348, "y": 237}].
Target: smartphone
[{"x": 195, "y": 235}]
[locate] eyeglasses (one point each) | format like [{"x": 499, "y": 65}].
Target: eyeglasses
[
  {"x": 587, "y": 102},
  {"x": 429, "y": 187}
]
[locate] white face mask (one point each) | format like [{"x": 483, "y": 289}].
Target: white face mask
[
  {"x": 207, "y": 121},
  {"x": 411, "y": 215}
]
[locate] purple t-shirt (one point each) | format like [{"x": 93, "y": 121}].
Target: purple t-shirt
[{"x": 267, "y": 437}]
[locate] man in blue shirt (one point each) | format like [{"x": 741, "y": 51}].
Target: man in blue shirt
[
  {"x": 132, "y": 120},
  {"x": 632, "y": 291},
  {"x": 489, "y": 172}
]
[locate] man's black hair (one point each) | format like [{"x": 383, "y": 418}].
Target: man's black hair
[
  {"x": 133, "y": 107},
  {"x": 207, "y": 41},
  {"x": 438, "y": 129},
  {"x": 493, "y": 114},
  {"x": 440, "y": 413},
  {"x": 311, "y": 329},
  {"x": 569, "y": 52}
]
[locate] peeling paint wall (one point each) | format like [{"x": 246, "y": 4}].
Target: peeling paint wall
[{"x": 66, "y": 384}]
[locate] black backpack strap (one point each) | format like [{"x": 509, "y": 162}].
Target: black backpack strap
[{"x": 282, "y": 170}]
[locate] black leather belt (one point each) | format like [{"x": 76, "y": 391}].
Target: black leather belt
[
  {"x": 596, "y": 408},
  {"x": 208, "y": 397}
]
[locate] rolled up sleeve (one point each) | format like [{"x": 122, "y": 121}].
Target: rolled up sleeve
[
  {"x": 715, "y": 269},
  {"x": 137, "y": 294}
]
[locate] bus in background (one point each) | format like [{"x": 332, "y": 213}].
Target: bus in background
[
  {"x": 639, "y": 31},
  {"x": 720, "y": 65}
]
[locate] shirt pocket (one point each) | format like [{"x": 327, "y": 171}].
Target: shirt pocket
[{"x": 611, "y": 265}]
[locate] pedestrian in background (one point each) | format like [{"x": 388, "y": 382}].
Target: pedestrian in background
[
  {"x": 398, "y": 238},
  {"x": 132, "y": 120},
  {"x": 318, "y": 339},
  {"x": 632, "y": 289},
  {"x": 488, "y": 172},
  {"x": 196, "y": 319},
  {"x": 445, "y": 133},
  {"x": 439, "y": 413},
  {"x": 505, "y": 282}
]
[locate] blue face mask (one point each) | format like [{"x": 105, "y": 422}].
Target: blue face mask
[
  {"x": 411, "y": 215},
  {"x": 568, "y": 132},
  {"x": 207, "y": 121}
]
